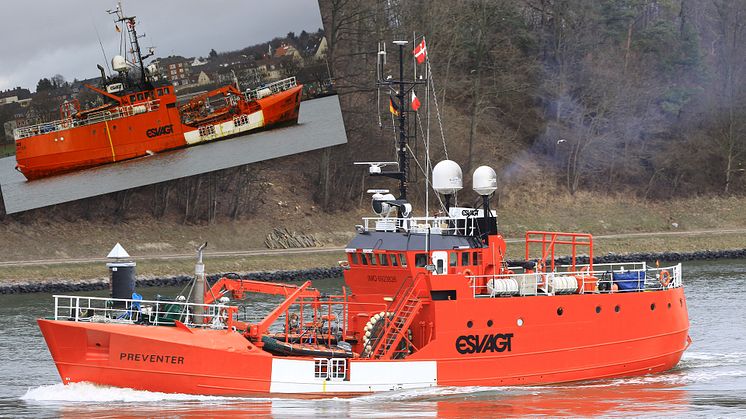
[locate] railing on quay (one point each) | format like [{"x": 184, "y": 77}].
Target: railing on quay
[
  {"x": 604, "y": 278},
  {"x": 137, "y": 311}
]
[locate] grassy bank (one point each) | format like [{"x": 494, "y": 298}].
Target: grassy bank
[
  {"x": 615, "y": 221},
  {"x": 7, "y": 150}
]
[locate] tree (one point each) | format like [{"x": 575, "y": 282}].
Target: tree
[
  {"x": 213, "y": 54},
  {"x": 44, "y": 85}
]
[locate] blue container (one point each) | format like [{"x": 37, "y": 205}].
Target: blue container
[{"x": 629, "y": 280}]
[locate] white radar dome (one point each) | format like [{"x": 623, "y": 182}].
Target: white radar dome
[
  {"x": 447, "y": 177},
  {"x": 119, "y": 63},
  {"x": 484, "y": 181}
]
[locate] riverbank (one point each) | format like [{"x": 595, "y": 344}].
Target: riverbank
[
  {"x": 312, "y": 260},
  {"x": 58, "y": 250}
]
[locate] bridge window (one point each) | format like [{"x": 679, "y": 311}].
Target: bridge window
[
  {"x": 394, "y": 260},
  {"x": 140, "y": 96},
  {"x": 465, "y": 259},
  {"x": 475, "y": 259},
  {"x": 453, "y": 259},
  {"x": 420, "y": 260},
  {"x": 160, "y": 92},
  {"x": 353, "y": 258},
  {"x": 364, "y": 259},
  {"x": 165, "y": 90},
  {"x": 132, "y": 98},
  {"x": 374, "y": 260},
  {"x": 384, "y": 259},
  {"x": 403, "y": 260}
]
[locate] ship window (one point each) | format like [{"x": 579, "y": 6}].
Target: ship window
[
  {"x": 165, "y": 90},
  {"x": 374, "y": 260},
  {"x": 465, "y": 259},
  {"x": 353, "y": 258},
  {"x": 132, "y": 98},
  {"x": 403, "y": 260},
  {"x": 453, "y": 258},
  {"x": 395, "y": 261},
  {"x": 140, "y": 96},
  {"x": 420, "y": 260},
  {"x": 364, "y": 259},
  {"x": 160, "y": 92},
  {"x": 475, "y": 259},
  {"x": 320, "y": 368},
  {"x": 384, "y": 259}
]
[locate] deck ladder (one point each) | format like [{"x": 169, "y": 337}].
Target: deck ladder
[{"x": 404, "y": 308}]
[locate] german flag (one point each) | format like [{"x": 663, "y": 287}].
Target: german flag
[{"x": 393, "y": 107}]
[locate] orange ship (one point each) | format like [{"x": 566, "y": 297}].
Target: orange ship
[
  {"x": 429, "y": 301},
  {"x": 140, "y": 117}
]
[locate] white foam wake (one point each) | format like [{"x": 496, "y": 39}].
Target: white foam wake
[{"x": 86, "y": 392}]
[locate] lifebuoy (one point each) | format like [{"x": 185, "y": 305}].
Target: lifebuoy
[{"x": 664, "y": 278}]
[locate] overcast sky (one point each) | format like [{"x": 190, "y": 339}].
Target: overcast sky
[{"x": 43, "y": 38}]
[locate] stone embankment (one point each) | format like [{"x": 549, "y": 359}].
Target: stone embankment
[{"x": 66, "y": 286}]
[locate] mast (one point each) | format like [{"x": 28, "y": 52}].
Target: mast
[
  {"x": 401, "y": 89},
  {"x": 402, "y": 149},
  {"x": 129, "y": 23}
]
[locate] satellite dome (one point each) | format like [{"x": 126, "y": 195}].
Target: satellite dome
[
  {"x": 447, "y": 177},
  {"x": 119, "y": 64},
  {"x": 484, "y": 181}
]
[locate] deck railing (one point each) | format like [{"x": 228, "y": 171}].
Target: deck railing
[
  {"x": 271, "y": 88},
  {"x": 465, "y": 226},
  {"x": 604, "y": 278},
  {"x": 92, "y": 118},
  {"x": 137, "y": 311}
]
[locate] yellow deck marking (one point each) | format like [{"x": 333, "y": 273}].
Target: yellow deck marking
[{"x": 108, "y": 134}]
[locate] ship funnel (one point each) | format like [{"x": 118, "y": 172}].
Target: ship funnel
[
  {"x": 119, "y": 64},
  {"x": 484, "y": 181}
]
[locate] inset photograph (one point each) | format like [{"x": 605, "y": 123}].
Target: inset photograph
[{"x": 146, "y": 101}]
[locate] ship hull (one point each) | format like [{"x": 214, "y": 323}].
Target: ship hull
[
  {"x": 159, "y": 130},
  {"x": 580, "y": 344}
]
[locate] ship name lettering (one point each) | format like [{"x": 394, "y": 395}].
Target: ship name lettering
[
  {"x": 381, "y": 278},
  {"x": 155, "y": 132},
  {"x": 154, "y": 358},
  {"x": 468, "y": 213},
  {"x": 469, "y": 344}
]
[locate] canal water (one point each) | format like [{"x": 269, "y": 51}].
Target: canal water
[{"x": 709, "y": 381}]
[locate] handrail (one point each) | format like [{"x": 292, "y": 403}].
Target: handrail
[
  {"x": 649, "y": 280},
  {"x": 131, "y": 311},
  {"x": 93, "y": 118},
  {"x": 274, "y": 87}
]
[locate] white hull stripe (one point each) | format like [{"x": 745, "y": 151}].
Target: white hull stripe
[
  {"x": 211, "y": 132},
  {"x": 300, "y": 376}
]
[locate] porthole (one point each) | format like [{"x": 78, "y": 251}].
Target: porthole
[
  {"x": 489, "y": 323},
  {"x": 652, "y": 306},
  {"x": 560, "y": 311},
  {"x": 669, "y": 305},
  {"x": 598, "y": 309},
  {"x": 469, "y": 324},
  {"x": 617, "y": 308},
  {"x": 519, "y": 322}
]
